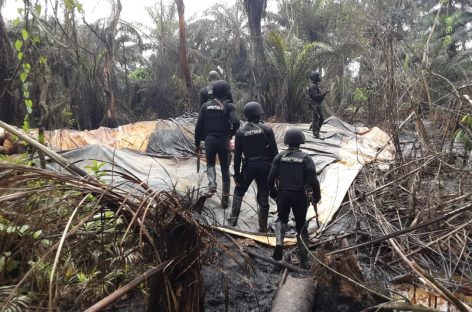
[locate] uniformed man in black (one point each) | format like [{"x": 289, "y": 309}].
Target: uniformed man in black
[
  {"x": 217, "y": 123},
  {"x": 294, "y": 171},
  {"x": 206, "y": 93},
  {"x": 316, "y": 97},
  {"x": 255, "y": 147}
]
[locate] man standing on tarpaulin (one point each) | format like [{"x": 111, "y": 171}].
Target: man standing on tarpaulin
[
  {"x": 255, "y": 147},
  {"x": 316, "y": 98},
  {"x": 295, "y": 171},
  {"x": 217, "y": 123}
]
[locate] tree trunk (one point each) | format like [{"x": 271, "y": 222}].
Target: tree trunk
[
  {"x": 255, "y": 9},
  {"x": 7, "y": 100},
  {"x": 110, "y": 119},
  {"x": 184, "y": 57}
]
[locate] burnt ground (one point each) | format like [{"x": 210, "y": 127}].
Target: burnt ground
[
  {"x": 248, "y": 286},
  {"x": 230, "y": 286}
]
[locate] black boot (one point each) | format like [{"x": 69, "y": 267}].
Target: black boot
[
  {"x": 233, "y": 218},
  {"x": 225, "y": 194},
  {"x": 279, "y": 240},
  {"x": 263, "y": 202},
  {"x": 303, "y": 244},
  {"x": 262, "y": 224},
  {"x": 211, "y": 174}
]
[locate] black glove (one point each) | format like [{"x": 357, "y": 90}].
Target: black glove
[
  {"x": 315, "y": 199},
  {"x": 273, "y": 193},
  {"x": 198, "y": 149}
]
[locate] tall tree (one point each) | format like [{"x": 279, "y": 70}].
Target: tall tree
[
  {"x": 255, "y": 10},
  {"x": 192, "y": 102},
  {"x": 110, "y": 118}
]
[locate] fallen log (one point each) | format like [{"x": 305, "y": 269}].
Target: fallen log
[{"x": 297, "y": 295}]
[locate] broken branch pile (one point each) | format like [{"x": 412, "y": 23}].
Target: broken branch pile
[
  {"x": 396, "y": 225},
  {"x": 68, "y": 241}
]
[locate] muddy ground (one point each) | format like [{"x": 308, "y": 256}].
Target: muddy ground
[{"x": 230, "y": 286}]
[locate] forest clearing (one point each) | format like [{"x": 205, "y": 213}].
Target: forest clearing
[{"x": 149, "y": 166}]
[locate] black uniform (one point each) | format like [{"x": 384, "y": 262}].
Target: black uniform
[
  {"x": 217, "y": 123},
  {"x": 206, "y": 94},
  {"x": 316, "y": 98},
  {"x": 294, "y": 170},
  {"x": 256, "y": 143}
]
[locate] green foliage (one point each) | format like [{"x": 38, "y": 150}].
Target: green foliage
[
  {"x": 361, "y": 95},
  {"x": 21, "y": 159},
  {"x": 140, "y": 74},
  {"x": 73, "y": 4},
  {"x": 8, "y": 229},
  {"x": 464, "y": 135},
  {"x": 289, "y": 63},
  {"x": 18, "y": 45},
  {"x": 24, "y": 34},
  {"x": 21, "y": 46},
  {"x": 95, "y": 168},
  {"x": 406, "y": 62}
]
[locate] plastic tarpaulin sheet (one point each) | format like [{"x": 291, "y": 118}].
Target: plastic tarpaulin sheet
[{"x": 170, "y": 160}]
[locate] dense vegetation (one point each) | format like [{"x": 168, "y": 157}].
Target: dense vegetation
[{"x": 380, "y": 59}]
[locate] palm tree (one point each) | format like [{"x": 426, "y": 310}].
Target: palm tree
[
  {"x": 289, "y": 62},
  {"x": 225, "y": 46}
]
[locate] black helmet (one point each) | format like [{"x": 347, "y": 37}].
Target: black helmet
[
  {"x": 314, "y": 76},
  {"x": 213, "y": 76},
  {"x": 294, "y": 137},
  {"x": 220, "y": 89},
  {"x": 253, "y": 110}
]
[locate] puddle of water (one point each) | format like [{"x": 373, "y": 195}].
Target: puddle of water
[{"x": 428, "y": 299}]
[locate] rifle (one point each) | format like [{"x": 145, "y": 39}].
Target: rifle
[
  {"x": 309, "y": 196},
  {"x": 198, "y": 151}
]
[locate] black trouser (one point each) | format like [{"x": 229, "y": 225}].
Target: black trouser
[
  {"x": 220, "y": 149},
  {"x": 318, "y": 118},
  {"x": 259, "y": 172},
  {"x": 295, "y": 200}
]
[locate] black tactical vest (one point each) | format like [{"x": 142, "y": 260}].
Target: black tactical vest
[
  {"x": 254, "y": 141},
  {"x": 291, "y": 171},
  {"x": 313, "y": 91},
  {"x": 216, "y": 121}
]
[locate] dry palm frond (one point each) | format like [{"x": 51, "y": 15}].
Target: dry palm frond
[{"x": 99, "y": 232}]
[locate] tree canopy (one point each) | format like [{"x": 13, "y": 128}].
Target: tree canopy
[{"x": 59, "y": 70}]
